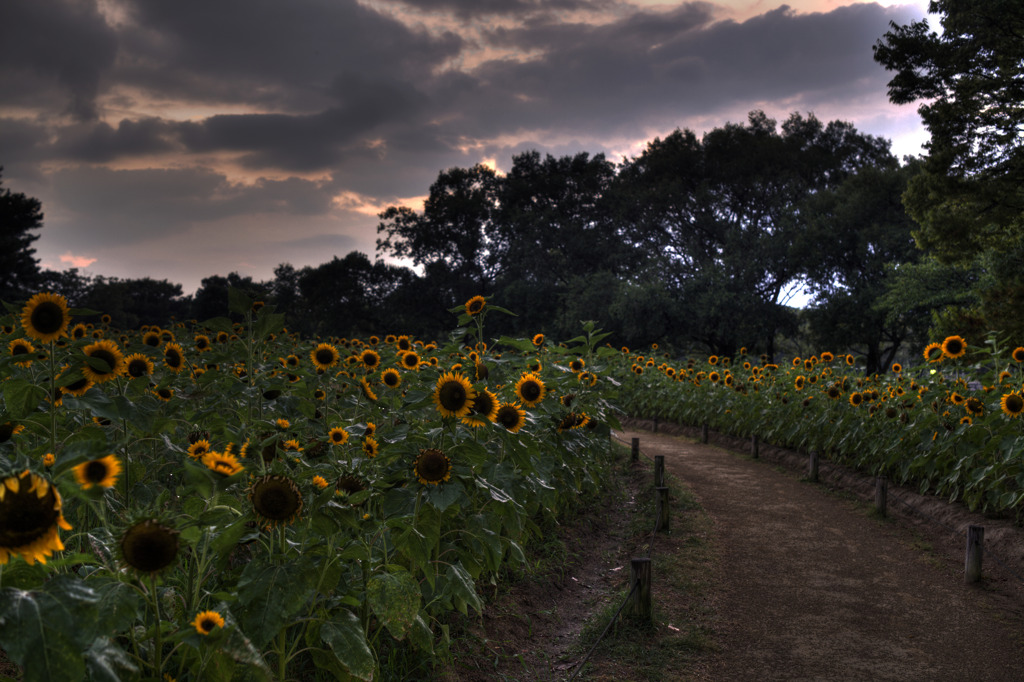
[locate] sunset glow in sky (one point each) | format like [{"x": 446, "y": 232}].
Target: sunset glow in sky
[{"x": 178, "y": 140}]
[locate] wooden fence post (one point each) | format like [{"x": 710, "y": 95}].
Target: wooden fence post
[
  {"x": 663, "y": 509},
  {"x": 655, "y": 423},
  {"x": 812, "y": 466},
  {"x": 659, "y": 471},
  {"x": 975, "y": 544},
  {"x": 755, "y": 448},
  {"x": 704, "y": 433},
  {"x": 881, "y": 494},
  {"x": 640, "y": 575},
  {"x": 635, "y": 452}
]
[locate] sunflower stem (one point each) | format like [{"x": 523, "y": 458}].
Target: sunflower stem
[
  {"x": 53, "y": 401},
  {"x": 157, "y": 639}
]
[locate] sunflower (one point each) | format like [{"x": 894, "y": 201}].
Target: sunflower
[
  {"x": 403, "y": 342},
  {"x": 105, "y": 361},
  {"x": 164, "y": 393},
  {"x": 324, "y": 356},
  {"x": 291, "y": 445},
  {"x": 534, "y": 365},
  {"x": 856, "y": 399},
  {"x": 76, "y": 387},
  {"x": 9, "y": 429},
  {"x": 45, "y": 317},
  {"x": 850, "y": 360},
  {"x": 337, "y": 436},
  {"x": 391, "y": 378},
  {"x": 714, "y": 377},
  {"x": 370, "y": 359},
  {"x": 151, "y": 338},
  {"x": 223, "y": 463},
  {"x": 100, "y": 472},
  {"x": 966, "y": 420},
  {"x": 511, "y": 416},
  {"x": 475, "y": 305},
  {"x": 320, "y": 482},
  {"x": 149, "y": 546},
  {"x": 202, "y": 343},
  {"x": 827, "y": 356},
  {"x": 1018, "y": 354},
  {"x": 207, "y": 621},
  {"x": 370, "y": 429},
  {"x": 432, "y": 467},
  {"x": 370, "y": 446},
  {"x": 573, "y": 420},
  {"x": 174, "y": 357},
  {"x": 576, "y": 366},
  {"x": 712, "y": 359},
  {"x": 79, "y": 331},
  {"x": 530, "y": 389},
  {"x": 485, "y": 409},
  {"x": 454, "y": 395},
  {"x": 897, "y": 368},
  {"x": 198, "y": 449},
  {"x": 834, "y": 392},
  {"x": 410, "y": 360},
  {"x": 538, "y": 339},
  {"x": 367, "y": 390},
  {"x": 1012, "y": 404},
  {"x": 22, "y": 347},
  {"x": 49, "y": 459},
  {"x": 953, "y": 347},
  {"x": 275, "y": 499},
  {"x": 138, "y": 365},
  {"x": 30, "y": 514}
]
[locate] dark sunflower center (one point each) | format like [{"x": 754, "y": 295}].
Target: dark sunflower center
[
  {"x": 324, "y": 356},
  {"x": 530, "y": 390},
  {"x": 25, "y": 517},
  {"x": 452, "y": 396},
  {"x": 276, "y": 500},
  {"x": 483, "y": 404},
  {"x": 432, "y": 466},
  {"x": 391, "y": 379},
  {"x": 173, "y": 357},
  {"x": 350, "y": 484},
  {"x": 165, "y": 393},
  {"x": 152, "y": 340},
  {"x": 508, "y": 417},
  {"x": 953, "y": 347},
  {"x": 370, "y": 360},
  {"x": 476, "y": 306},
  {"x": 137, "y": 368},
  {"x": 410, "y": 360},
  {"x": 19, "y": 349},
  {"x": 48, "y": 317},
  {"x": 149, "y": 547},
  {"x": 1014, "y": 403},
  {"x": 207, "y": 624},
  {"x": 96, "y": 471}
]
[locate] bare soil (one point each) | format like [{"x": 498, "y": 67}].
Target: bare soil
[{"x": 805, "y": 582}]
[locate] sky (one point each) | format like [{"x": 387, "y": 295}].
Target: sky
[{"x": 178, "y": 140}]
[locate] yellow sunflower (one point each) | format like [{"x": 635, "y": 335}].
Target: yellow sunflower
[
  {"x": 198, "y": 449},
  {"x": 370, "y": 359},
  {"x": 337, "y": 436},
  {"x": 1012, "y": 404},
  {"x": 391, "y": 378},
  {"x": 22, "y": 348},
  {"x": 45, "y": 317},
  {"x": 138, "y": 365},
  {"x": 1018, "y": 354},
  {"x": 485, "y": 409},
  {"x": 324, "y": 356},
  {"x": 206, "y": 622},
  {"x": 30, "y": 514},
  {"x": 530, "y": 389},
  {"x": 511, "y": 416},
  {"x": 538, "y": 339},
  {"x": 475, "y": 305},
  {"x": 174, "y": 357},
  {"x": 100, "y": 472},
  {"x": 223, "y": 463},
  {"x": 104, "y": 361},
  {"x": 454, "y": 395},
  {"x": 954, "y": 347},
  {"x": 370, "y": 446}
]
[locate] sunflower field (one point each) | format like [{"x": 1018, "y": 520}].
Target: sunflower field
[
  {"x": 951, "y": 425},
  {"x": 225, "y": 500}
]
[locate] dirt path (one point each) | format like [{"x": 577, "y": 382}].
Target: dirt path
[{"x": 813, "y": 587}]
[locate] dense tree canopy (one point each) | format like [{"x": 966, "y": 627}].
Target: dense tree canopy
[{"x": 19, "y": 216}]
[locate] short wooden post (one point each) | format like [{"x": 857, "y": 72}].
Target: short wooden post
[
  {"x": 659, "y": 471},
  {"x": 704, "y": 433},
  {"x": 881, "y": 494},
  {"x": 662, "y": 508},
  {"x": 812, "y": 466},
  {"x": 635, "y": 452},
  {"x": 754, "y": 446},
  {"x": 640, "y": 576},
  {"x": 655, "y": 424},
  {"x": 975, "y": 543}
]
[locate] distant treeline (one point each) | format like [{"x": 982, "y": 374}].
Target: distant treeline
[{"x": 696, "y": 244}]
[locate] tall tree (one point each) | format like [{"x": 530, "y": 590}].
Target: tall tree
[
  {"x": 19, "y": 269},
  {"x": 969, "y": 202}
]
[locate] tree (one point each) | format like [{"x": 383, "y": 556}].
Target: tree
[
  {"x": 858, "y": 234},
  {"x": 971, "y": 80},
  {"x": 19, "y": 269},
  {"x": 720, "y": 217}
]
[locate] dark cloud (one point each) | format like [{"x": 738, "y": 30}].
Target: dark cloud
[
  {"x": 485, "y": 8},
  {"x": 63, "y": 42},
  {"x": 99, "y": 142}
]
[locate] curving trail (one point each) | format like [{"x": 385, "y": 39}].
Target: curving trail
[{"x": 812, "y": 587}]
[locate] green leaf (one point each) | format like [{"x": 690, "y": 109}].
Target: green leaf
[
  {"x": 267, "y": 324},
  {"x": 395, "y": 599},
  {"x": 421, "y": 636},
  {"x": 444, "y": 496},
  {"x": 45, "y": 631},
  {"x": 238, "y": 301},
  {"x": 344, "y": 635},
  {"x": 270, "y": 595},
  {"x": 460, "y": 586},
  {"x": 21, "y": 397},
  {"x": 118, "y": 605},
  {"x": 109, "y": 662}
]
